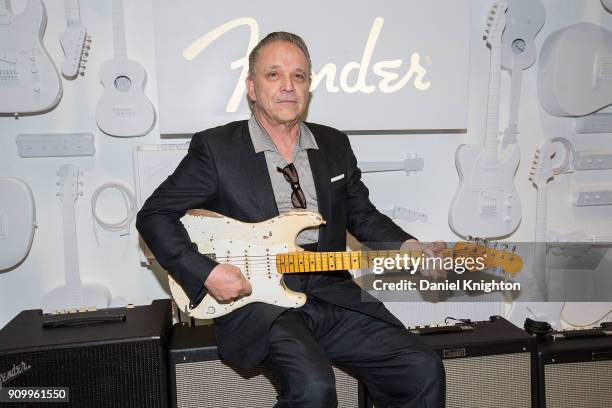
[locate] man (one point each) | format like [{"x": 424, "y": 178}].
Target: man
[{"x": 251, "y": 171}]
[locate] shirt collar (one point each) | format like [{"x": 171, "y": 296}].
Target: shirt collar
[{"x": 263, "y": 142}]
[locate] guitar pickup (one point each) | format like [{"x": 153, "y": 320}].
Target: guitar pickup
[{"x": 487, "y": 204}]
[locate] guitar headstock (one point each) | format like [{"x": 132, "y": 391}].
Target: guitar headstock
[
  {"x": 542, "y": 168},
  {"x": 496, "y": 22},
  {"x": 69, "y": 185},
  {"x": 492, "y": 256},
  {"x": 76, "y": 44},
  {"x": 524, "y": 19}
]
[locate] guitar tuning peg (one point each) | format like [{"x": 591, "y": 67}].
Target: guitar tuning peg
[
  {"x": 468, "y": 238},
  {"x": 486, "y": 242},
  {"x": 505, "y": 246},
  {"x": 514, "y": 249},
  {"x": 495, "y": 245}
]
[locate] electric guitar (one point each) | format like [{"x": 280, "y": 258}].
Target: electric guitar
[
  {"x": 75, "y": 42},
  {"x": 575, "y": 70},
  {"x": 73, "y": 294},
  {"x": 486, "y": 203},
  {"x": 266, "y": 250},
  {"x": 29, "y": 81},
  {"x": 124, "y": 110},
  {"x": 542, "y": 174}
]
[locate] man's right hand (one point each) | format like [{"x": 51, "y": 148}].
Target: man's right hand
[{"x": 226, "y": 283}]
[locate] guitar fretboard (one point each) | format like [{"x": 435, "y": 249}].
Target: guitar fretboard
[
  {"x": 71, "y": 251},
  {"x": 119, "y": 42},
  {"x": 492, "y": 126},
  {"x": 304, "y": 261},
  {"x": 73, "y": 12}
]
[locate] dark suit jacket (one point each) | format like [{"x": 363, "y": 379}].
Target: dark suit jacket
[{"x": 222, "y": 173}]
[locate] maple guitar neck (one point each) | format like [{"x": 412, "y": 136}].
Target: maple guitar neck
[{"x": 304, "y": 261}]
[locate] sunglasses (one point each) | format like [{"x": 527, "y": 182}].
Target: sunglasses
[{"x": 298, "y": 199}]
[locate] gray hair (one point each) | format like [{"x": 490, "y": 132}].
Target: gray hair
[{"x": 274, "y": 37}]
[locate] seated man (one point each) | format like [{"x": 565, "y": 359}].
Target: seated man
[{"x": 252, "y": 171}]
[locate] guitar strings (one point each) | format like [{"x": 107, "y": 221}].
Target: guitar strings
[{"x": 363, "y": 253}]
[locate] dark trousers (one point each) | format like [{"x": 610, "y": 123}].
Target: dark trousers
[{"x": 397, "y": 369}]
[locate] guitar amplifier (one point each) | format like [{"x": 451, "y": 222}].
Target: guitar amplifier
[
  {"x": 106, "y": 358},
  {"x": 487, "y": 363},
  {"x": 198, "y": 379},
  {"x": 575, "y": 369}
]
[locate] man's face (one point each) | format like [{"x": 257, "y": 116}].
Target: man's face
[{"x": 280, "y": 86}]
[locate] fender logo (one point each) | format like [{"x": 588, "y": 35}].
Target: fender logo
[{"x": 390, "y": 80}]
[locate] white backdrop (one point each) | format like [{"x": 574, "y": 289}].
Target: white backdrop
[{"x": 115, "y": 261}]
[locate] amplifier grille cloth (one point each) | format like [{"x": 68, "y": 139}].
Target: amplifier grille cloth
[
  {"x": 214, "y": 384},
  {"x": 502, "y": 380},
  {"x": 584, "y": 384},
  {"x": 116, "y": 375}
]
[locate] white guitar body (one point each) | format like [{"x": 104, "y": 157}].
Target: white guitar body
[
  {"x": 29, "y": 81},
  {"x": 486, "y": 193},
  {"x": 575, "y": 70},
  {"x": 124, "y": 110},
  {"x": 17, "y": 221},
  {"x": 251, "y": 247}
]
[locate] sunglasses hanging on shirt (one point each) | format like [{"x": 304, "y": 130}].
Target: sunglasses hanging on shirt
[{"x": 298, "y": 199}]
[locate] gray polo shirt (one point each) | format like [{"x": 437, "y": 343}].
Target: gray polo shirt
[{"x": 262, "y": 142}]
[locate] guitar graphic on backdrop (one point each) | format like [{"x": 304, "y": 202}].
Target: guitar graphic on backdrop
[
  {"x": 575, "y": 70},
  {"x": 75, "y": 42},
  {"x": 73, "y": 294},
  {"x": 524, "y": 20},
  {"x": 17, "y": 221},
  {"x": 124, "y": 110},
  {"x": 486, "y": 203},
  {"x": 29, "y": 81},
  {"x": 541, "y": 175}
]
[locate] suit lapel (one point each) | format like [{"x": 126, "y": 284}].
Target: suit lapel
[{"x": 255, "y": 169}]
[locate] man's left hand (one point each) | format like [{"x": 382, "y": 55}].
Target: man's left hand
[{"x": 430, "y": 250}]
